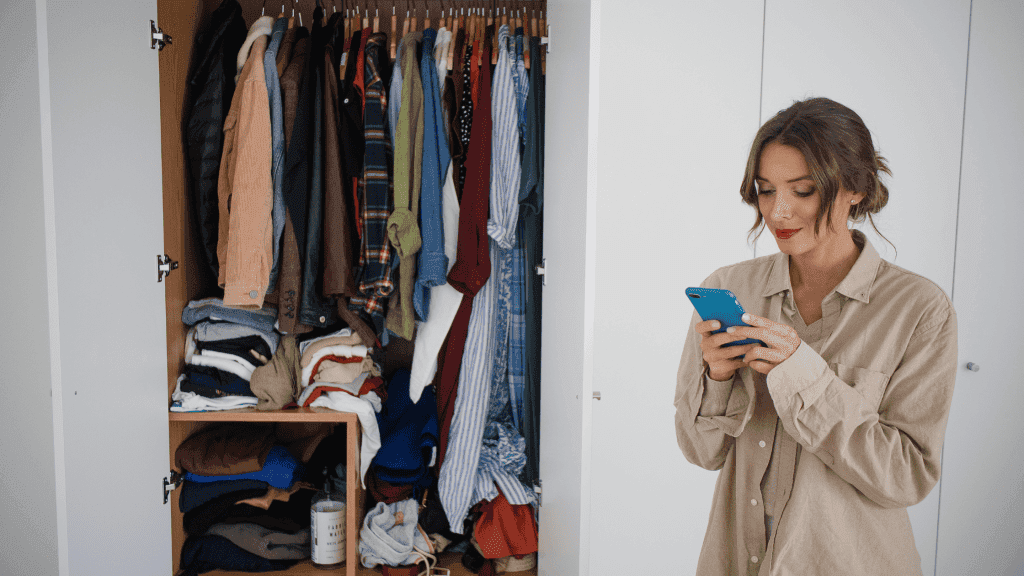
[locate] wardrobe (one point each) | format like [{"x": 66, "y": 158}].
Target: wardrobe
[{"x": 118, "y": 210}]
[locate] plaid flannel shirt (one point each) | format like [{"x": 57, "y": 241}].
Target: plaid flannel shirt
[{"x": 376, "y": 253}]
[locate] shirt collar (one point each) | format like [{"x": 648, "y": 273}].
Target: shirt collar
[{"x": 856, "y": 285}]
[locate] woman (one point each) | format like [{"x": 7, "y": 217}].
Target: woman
[{"x": 826, "y": 435}]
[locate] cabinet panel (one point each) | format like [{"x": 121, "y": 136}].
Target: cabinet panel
[
  {"x": 105, "y": 121},
  {"x": 670, "y": 161},
  {"x": 981, "y": 521},
  {"x": 901, "y": 67}
]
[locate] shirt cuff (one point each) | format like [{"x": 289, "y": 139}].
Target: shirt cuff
[
  {"x": 802, "y": 373},
  {"x": 715, "y": 399}
]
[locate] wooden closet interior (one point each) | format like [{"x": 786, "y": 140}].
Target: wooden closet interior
[{"x": 183, "y": 20}]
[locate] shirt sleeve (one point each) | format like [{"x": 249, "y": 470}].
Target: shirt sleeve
[
  {"x": 706, "y": 432},
  {"x": 883, "y": 434}
]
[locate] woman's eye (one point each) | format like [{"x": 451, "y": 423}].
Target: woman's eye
[
  {"x": 763, "y": 191},
  {"x": 805, "y": 194}
]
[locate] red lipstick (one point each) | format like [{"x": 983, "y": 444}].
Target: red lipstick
[{"x": 786, "y": 234}]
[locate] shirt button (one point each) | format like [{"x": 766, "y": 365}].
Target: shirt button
[
  {"x": 253, "y": 293},
  {"x": 753, "y": 502},
  {"x": 761, "y": 444},
  {"x": 753, "y": 559},
  {"x": 322, "y": 319}
]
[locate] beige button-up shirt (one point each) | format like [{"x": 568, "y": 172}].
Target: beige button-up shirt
[{"x": 861, "y": 406}]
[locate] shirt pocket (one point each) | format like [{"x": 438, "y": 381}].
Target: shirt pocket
[{"x": 868, "y": 383}]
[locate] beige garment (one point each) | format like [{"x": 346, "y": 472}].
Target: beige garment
[
  {"x": 352, "y": 340},
  {"x": 865, "y": 406},
  {"x": 276, "y": 494},
  {"x": 245, "y": 189},
  {"x": 277, "y": 383},
  {"x": 338, "y": 373}
]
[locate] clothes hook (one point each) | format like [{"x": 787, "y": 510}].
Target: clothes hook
[{"x": 263, "y": 11}]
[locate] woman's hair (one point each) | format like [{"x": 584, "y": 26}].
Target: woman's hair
[{"x": 838, "y": 150}]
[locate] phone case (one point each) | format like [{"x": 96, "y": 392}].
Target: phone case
[{"x": 722, "y": 305}]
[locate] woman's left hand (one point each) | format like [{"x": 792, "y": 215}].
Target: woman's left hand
[{"x": 781, "y": 341}]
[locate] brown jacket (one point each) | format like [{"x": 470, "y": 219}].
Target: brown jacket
[
  {"x": 245, "y": 189},
  {"x": 290, "y": 283}
]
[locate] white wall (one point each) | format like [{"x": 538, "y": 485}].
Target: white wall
[{"x": 28, "y": 532}]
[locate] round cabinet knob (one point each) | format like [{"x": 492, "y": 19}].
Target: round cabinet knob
[{"x": 973, "y": 367}]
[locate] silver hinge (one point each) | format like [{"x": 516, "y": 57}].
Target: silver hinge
[
  {"x": 157, "y": 37},
  {"x": 170, "y": 484},
  {"x": 164, "y": 265},
  {"x": 542, "y": 271}
]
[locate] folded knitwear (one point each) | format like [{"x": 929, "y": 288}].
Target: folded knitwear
[
  {"x": 225, "y": 449},
  {"x": 264, "y": 542},
  {"x": 345, "y": 335},
  {"x": 282, "y": 516},
  {"x": 214, "y": 309},
  {"x": 252, "y": 349},
  {"x": 195, "y": 494},
  {"x": 281, "y": 470},
  {"x": 182, "y": 401},
  {"x": 213, "y": 382},
  {"x": 230, "y": 365},
  {"x": 339, "y": 351},
  {"x": 209, "y": 331},
  {"x": 212, "y": 552}
]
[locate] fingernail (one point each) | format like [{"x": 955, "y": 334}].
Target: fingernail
[
  {"x": 730, "y": 329},
  {"x": 746, "y": 317},
  {"x": 715, "y": 325}
]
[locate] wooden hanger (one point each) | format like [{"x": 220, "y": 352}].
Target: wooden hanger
[
  {"x": 405, "y": 24},
  {"x": 544, "y": 49},
  {"x": 494, "y": 39},
  {"x": 414, "y": 26},
  {"x": 376, "y": 20},
  {"x": 426, "y": 21},
  {"x": 394, "y": 31},
  {"x": 451, "y": 46},
  {"x": 525, "y": 23},
  {"x": 366, "y": 19}
]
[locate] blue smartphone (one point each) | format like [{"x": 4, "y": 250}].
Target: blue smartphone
[{"x": 722, "y": 305}]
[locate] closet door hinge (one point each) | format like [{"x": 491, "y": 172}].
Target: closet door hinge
[
  {"x": 164, "y": 265},
  {"x": 158, "y": 39},
  {"x": 542, "y": 271},
  {"x": 170, "y": 484}
]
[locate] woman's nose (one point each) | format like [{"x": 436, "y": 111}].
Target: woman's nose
[{"x": 781, "y": 209}]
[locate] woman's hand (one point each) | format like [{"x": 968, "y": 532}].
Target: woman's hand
[
  {"x": 781, "y": 340},
  {"x": 722, "y": 362}
]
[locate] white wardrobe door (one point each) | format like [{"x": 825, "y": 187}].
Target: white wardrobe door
[
  {"x": 901, "y": 67},
  {"x": 981, "y": 520},
  {"x": 111, "y": 345},
  {"x": 566, "y": 354},
  {"x": 678, "y": 108}
]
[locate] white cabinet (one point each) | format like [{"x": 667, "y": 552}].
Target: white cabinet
[{"x": 981, "y": 520}]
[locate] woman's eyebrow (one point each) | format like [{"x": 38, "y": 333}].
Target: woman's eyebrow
[{"x": 807, "y": 177}]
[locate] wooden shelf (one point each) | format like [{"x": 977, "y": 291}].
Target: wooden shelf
[{"x": 315, "y": 414}]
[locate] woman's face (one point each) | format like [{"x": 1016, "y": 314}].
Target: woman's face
[{"x": 789, "y": 200}]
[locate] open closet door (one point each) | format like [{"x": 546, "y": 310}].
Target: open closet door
[
  {"x": 568, "y": 316},
  {"x": 101, "y": 129}
]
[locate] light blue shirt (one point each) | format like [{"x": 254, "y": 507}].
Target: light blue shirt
[
  {"x": 277, "y": 213},
  {"x": 433, "y": 264}
]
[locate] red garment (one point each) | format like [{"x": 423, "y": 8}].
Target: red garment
[
  {"x": 474, "y": 73},
  {"x": 375, "y": 385},
  {"x": 332, "y": 358},
  {"x": 446, "y": 378},
  {"x": 505, "y": 530},
  {"x": 386, "y": 492},
  {"x": 473, "y": 264}
]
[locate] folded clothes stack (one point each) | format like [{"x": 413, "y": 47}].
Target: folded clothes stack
[
  {"x": 222, "y": 350},
  {"x": 246, "y": 493}
]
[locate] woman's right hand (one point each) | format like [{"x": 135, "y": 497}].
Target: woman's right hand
[{"x": 722, "y": 362}]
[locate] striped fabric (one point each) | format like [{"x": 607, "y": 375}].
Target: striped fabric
[
  {"x": 484, "y": 450},
  {"x": 376, "y": 253}
]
